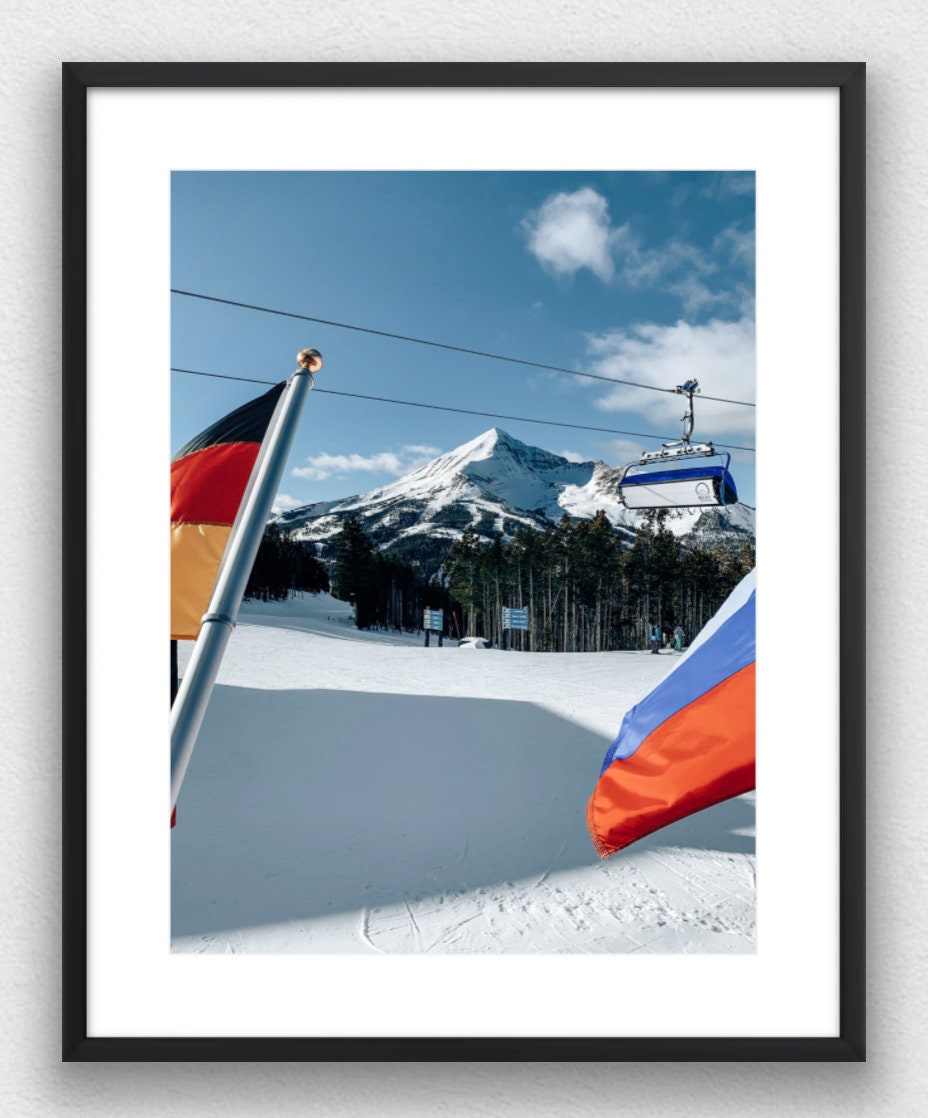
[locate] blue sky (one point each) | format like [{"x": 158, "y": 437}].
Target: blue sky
[{"x": 641, "y": 276}]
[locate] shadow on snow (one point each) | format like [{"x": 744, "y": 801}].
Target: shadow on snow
[{"x": 306, "y": 803}]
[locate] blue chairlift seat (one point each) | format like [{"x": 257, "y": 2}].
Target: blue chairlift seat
[{"x": 695, "y": 478}]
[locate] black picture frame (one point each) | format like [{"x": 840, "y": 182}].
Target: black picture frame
[{"x": 849, "y": 80}]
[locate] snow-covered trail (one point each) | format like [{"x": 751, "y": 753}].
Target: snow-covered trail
[{"x": 357, "y": 792}]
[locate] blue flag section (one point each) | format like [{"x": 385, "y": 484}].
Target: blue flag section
[{"x": 690, "y": 743}]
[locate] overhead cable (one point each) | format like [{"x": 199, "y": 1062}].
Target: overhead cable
[
  {"x": 460, "y": 411},
  {"x": 445, "y": 345}
]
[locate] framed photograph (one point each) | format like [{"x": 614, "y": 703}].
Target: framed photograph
[{"x": 479, "y": 398}]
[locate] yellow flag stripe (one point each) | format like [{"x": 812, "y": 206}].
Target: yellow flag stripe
[{"x": 196, "y": 551}]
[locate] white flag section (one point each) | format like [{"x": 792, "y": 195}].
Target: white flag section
[{"x": 355, "y": 792}]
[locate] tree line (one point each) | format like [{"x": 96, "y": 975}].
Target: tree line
[
  {"x": 585, "y": 589},
  {"x": 284, "y": 566},
  {"x": 386, "y": 593}
]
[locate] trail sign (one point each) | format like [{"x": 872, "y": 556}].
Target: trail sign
[
  {"x": 515, "y": 618},
  {"x": 433, "y": 621}
]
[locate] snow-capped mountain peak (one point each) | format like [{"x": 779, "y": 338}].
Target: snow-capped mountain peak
[{"x": 494, "y": 483}]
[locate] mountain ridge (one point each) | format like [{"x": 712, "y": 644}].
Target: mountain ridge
[{"x": 495, "y": 483}]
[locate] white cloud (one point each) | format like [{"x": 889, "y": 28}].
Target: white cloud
[
  {"x": 572, "y": 231},
  {"x": 745, "y": 300},
  {"x": 427, "y": 452},
  {"x": 648, "y": 267},
  {"x": 728, "y": 183},
  {"x": 720, "y": 355},
  {"x": 573, "y": 456},
  {"x": 698, "y": 297},
  {"x": 620, "y": 452},
  {"x": 681, "y": 269},
  {"x": 321, "y": 466},
  {"x": 283, "y": 502},
  {"x": 737, "y": 245}
]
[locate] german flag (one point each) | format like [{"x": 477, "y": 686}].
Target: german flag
[{"x": 208, "y": 480}]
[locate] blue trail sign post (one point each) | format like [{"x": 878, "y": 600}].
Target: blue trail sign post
[
  {"x": 514, "y": 618},
  {"x": 433, "y": 621}
]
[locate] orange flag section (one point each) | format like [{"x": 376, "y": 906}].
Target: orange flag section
[
  {"x": 700, "y": 756},
  {"x": 196, "y": 551}
]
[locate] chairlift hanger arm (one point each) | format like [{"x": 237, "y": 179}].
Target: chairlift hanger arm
[{"x": 687, "y": 389}]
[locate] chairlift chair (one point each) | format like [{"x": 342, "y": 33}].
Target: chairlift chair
[{"x": 681, "y": 474}]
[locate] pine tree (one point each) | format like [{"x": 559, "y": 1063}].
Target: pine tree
[
  {"x": 463, "y": 565},
  {"x": 495, "y": 572},
  {"x": 283, "y": 566},
  {"x": 598, "y": 561},
  {"x": 665, "y": 555},
  {"x": 355, "y": 571}
]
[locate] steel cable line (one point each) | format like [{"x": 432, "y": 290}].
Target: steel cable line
[
  {"x": 445, "y": 345},
  {"x": 460, "y": 411}
]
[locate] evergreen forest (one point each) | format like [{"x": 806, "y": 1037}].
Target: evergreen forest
[
  {"x": 284, "y": 566},
  {"x": 584, "y": 588}
]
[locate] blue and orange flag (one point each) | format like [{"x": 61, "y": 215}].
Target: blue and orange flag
[
  {"x": 209, "y": 477},
  {"x": 690, "y": 743}
]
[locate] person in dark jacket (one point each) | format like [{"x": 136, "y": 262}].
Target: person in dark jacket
[{"x": 656, "y": 640}]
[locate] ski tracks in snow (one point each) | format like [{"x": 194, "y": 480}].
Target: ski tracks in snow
[
  {"x": 461, "y": 886},
  {"x": 661, "y": 900},
  {"x": 684, "y": 902}
]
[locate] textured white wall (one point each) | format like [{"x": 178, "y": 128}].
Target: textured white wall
[{"x": 893, "y": 39}]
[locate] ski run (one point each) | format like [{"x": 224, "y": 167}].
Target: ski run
[{"x": 356, "y": 792}]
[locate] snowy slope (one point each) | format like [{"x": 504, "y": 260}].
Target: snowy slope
[
  {"x": 357, "y": 792},
  {"x": 496, "y": 484}
]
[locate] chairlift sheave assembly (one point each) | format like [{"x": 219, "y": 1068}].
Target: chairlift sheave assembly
[{"x": 681, "y": 474}]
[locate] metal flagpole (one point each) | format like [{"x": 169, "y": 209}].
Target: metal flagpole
[{"x": 244, "y": 540}]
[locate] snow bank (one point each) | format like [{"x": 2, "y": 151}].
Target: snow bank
[{"x": 357, "y": 792}]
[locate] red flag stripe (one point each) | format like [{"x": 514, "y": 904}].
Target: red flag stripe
[{"x": 207, "y": 486}]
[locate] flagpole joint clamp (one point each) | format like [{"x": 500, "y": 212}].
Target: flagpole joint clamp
[{"x": 223, "y": 618}]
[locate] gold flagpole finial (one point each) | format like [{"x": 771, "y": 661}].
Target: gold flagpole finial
[{"x": 310, "y": 359}]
